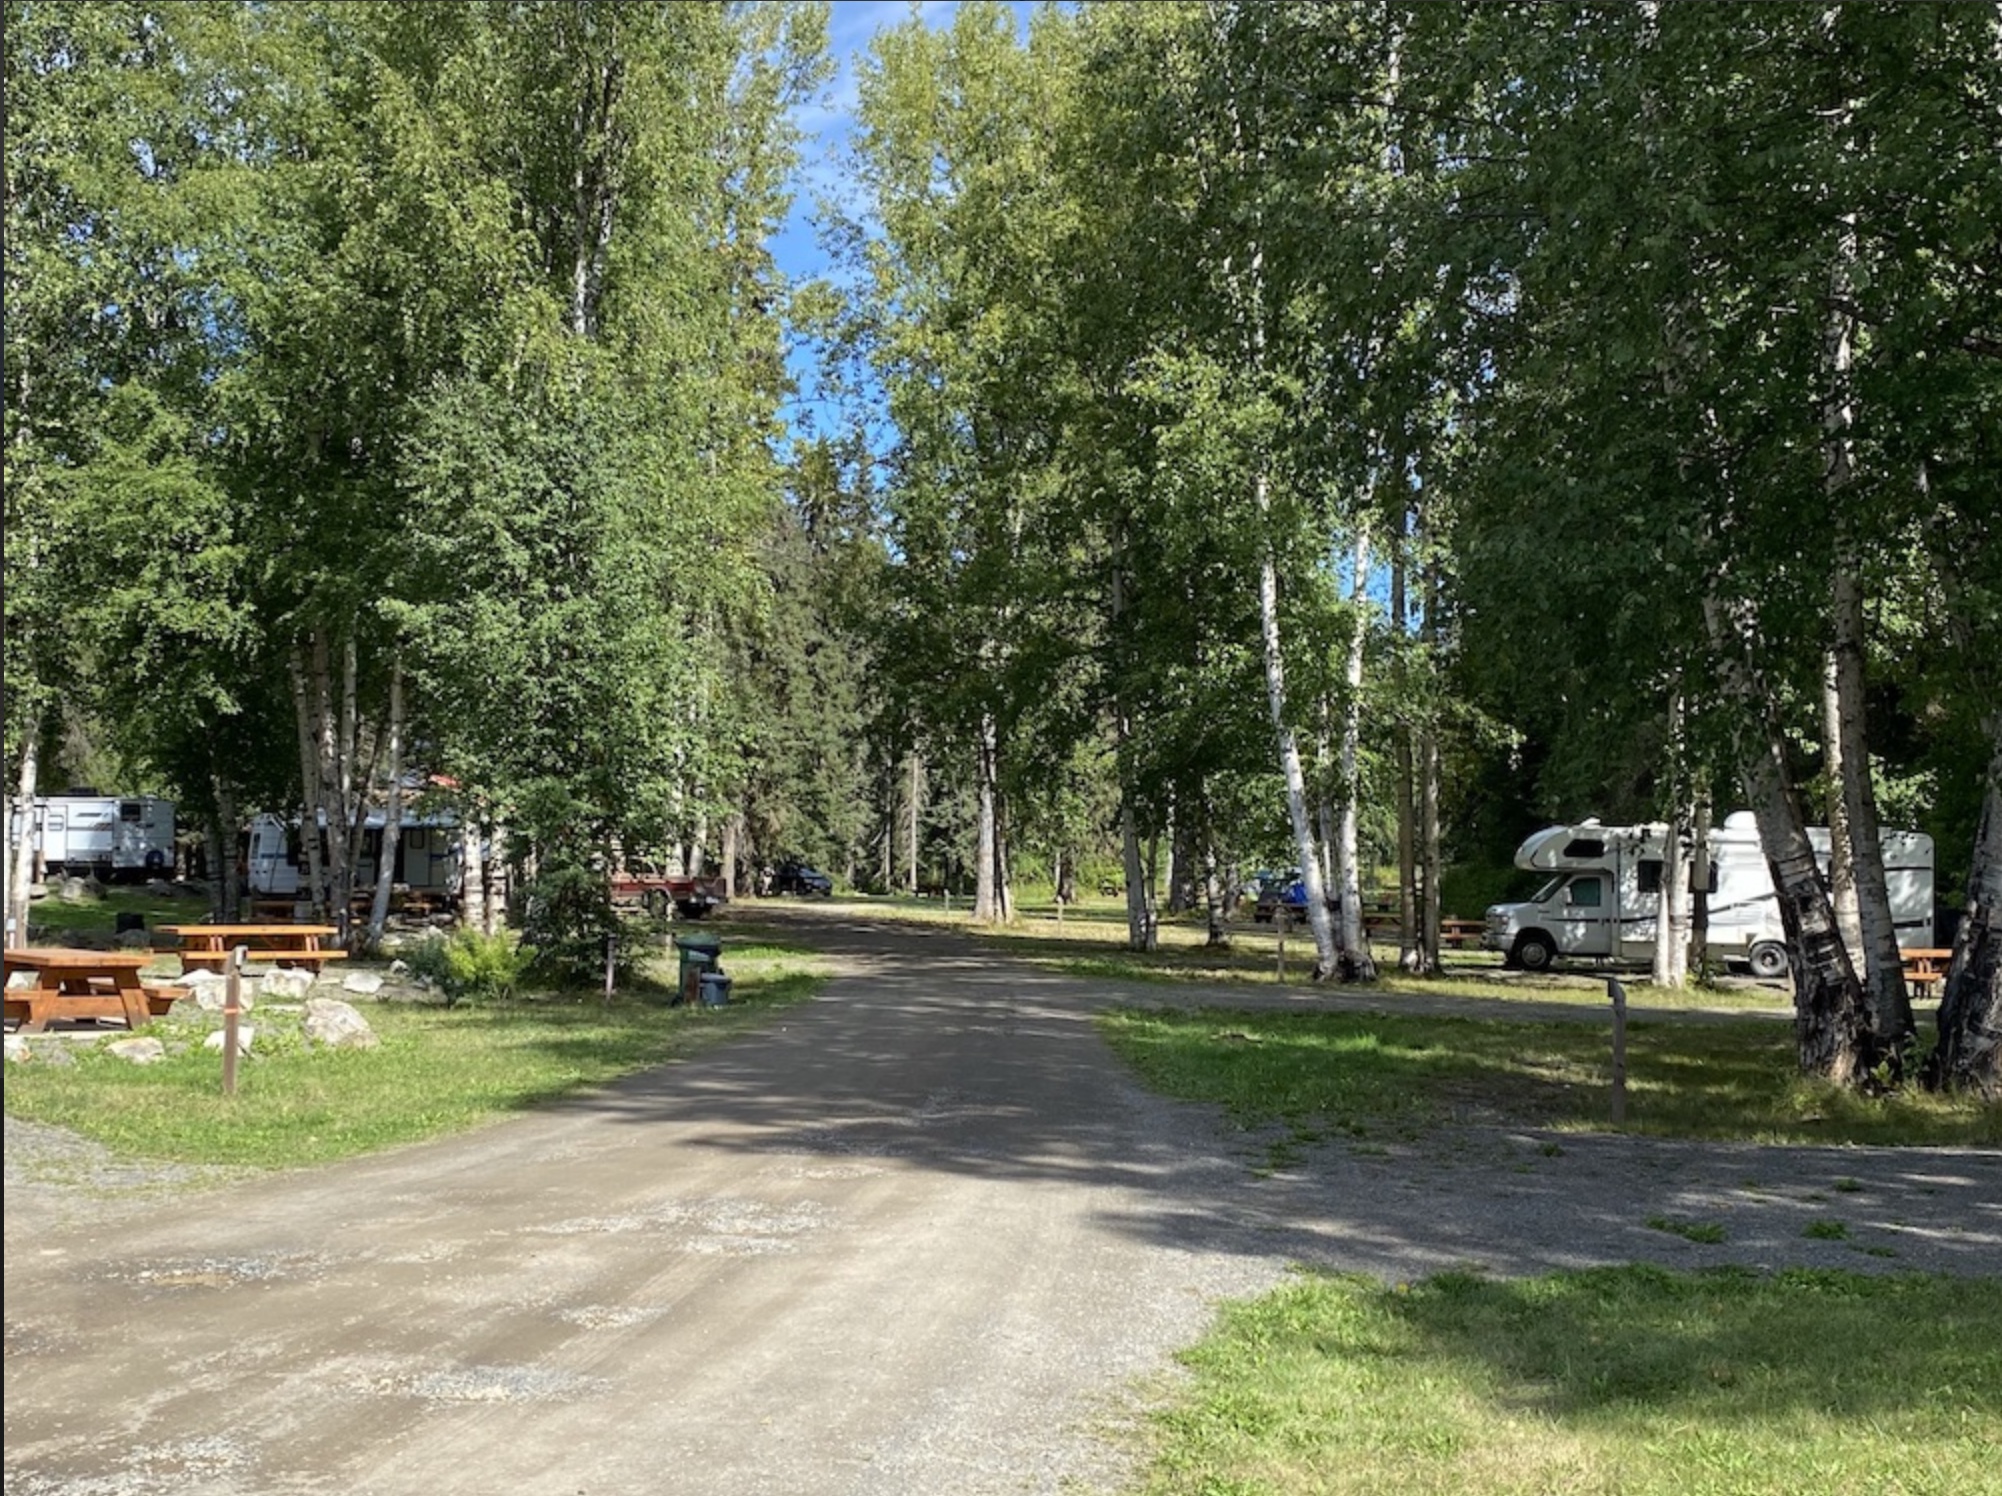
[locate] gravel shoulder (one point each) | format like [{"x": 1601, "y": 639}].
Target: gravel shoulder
[{"x": 925, "y": 1234}]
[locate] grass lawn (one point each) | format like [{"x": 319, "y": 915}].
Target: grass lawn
[
  {"x": 1089, "y": 942},
  {"x": 1317, "y": 1075},
  {"x": 1625, "y": 1381},
  {"x": 436, "y": 1071}
]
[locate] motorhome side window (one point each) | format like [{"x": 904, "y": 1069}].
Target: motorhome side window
[
  {"x": 131, "y": 810},
  {"x": 1585, "y": 893},
  {"x": 1650, "y": 874},
  {"x": 1585, "y": 846}
]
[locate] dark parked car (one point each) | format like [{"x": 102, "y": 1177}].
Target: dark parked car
[{"x": 797, "y": 877}]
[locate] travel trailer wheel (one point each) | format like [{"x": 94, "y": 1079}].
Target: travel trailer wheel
[
  {"x": 1769, "y": 959},
  {"x": 1534, "y": 951}
]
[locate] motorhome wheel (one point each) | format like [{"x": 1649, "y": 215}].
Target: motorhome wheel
[
  {"x": 1534, "y": 951},
  {"x": 1768, "y": 959}
]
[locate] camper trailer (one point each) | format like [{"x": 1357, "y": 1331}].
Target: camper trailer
[
  {"x": 1602, "y": 898},
  {"x": 427, "y": 855},
  {"x": 112, "y": 837}
]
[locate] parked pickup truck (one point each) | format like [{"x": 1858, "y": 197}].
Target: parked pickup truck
[{"x": 690, "y": 897}]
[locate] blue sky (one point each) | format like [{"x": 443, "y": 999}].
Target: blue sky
[{"x": 825, "y": 126}]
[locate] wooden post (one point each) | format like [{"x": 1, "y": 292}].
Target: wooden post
[
  {"x": 1619, "y": 996},
  {"x": 611, "y": 961},
  {"x": 232, "y": 1017}
]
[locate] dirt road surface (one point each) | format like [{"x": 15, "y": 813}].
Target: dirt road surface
[{"x": 923, "y": 1237}]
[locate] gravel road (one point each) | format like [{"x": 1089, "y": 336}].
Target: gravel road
[{"x": 923, "y": 1237}]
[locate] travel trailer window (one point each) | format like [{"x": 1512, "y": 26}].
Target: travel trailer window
[
  {"x": 1585, "y": 846},
  {"x": 131, "y": 810},
  {"x": 1650, "y": 874},
  {"x": 1586, "y": 893}
]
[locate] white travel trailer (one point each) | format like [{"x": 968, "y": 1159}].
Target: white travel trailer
[
  {"x": 105, "y": 836},
  {"x": 1603, "y": 897},
  {"x": 427, "y": 854}
]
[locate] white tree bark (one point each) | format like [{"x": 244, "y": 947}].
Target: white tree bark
[
  {"x": 1357, "y": 963},
  {"x": 472, "y": 871},
  {"x": 21, "y": 850},
  {"x": 306, "y": 709},
  {"x": 1829, "y": 1020},
  {"x": 1671, "y": 922},
  {"x": 392, "y": 825},
  {"x": 986, "y": 895}
]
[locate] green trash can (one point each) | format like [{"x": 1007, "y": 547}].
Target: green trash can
[{"x": 699, "y": 954}]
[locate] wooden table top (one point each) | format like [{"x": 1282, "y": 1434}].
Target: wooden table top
[{"x": 36, "y": 956}]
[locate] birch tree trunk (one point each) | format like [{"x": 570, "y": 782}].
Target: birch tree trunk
[
  {"x": 911, "y": 844},
  {"x": 1968, "y": 1056},
  {"x": 472, "y": 872},
  {"x": 1699, "y": 890},
  {"x": 1289, "y": 750},
  {"x": 392, "y": 822},
  {"x": 1409, "y": 956},
  {"x": 986, "y": 906},
  {"x": 1143, "y": 927},
  {"x": 1892, "y": 1027},
  {"x": 1829, "y": 1020},
  {"x": 1841, "y": 849},
  {"x": 21, "y": 851},
  {"x": 1671, "y": 928},
  {"x": 498, "y": 879},
  {"x": 305, "y": 708},
  {"x": 1357, "y": 963},
  {"x": 1671, "y": 920}
]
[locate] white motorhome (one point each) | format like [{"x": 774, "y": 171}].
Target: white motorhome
[
  {"x": 112, "y": 837},
  {"x": 1603, "y": 896},
  {"x": 427, "y": 854}
]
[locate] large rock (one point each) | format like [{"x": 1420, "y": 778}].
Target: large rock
[
  {"x": 210, "y": 990},
  {"x": 286, "y": 984},
  {"x": 362, "y": 983},
  {"x": 245, "y": 1033},
  {"x": 17, "y": 1049},
  {"x": 334, "y": 1024},
  {"x": 141, "y": 1049}
]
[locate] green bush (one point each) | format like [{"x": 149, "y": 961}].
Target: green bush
[{"x": 471, "y": 964}]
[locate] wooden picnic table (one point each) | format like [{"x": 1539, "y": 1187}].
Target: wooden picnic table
[
  {"x": 1925, "y": 969},
  {"x": 208, "y": 946},
  {"x": 77, "y": 984}
]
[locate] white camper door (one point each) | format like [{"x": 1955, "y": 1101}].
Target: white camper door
[{"x": 1585, "y": 915}]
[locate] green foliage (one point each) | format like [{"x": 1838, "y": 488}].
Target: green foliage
[{"x": 470, "y": 964}]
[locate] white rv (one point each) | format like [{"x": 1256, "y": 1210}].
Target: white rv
[
  {"x": 106, "y": 836},
  {"x": 427, "y": 854},
  {"x": 1603, "y": 896}
]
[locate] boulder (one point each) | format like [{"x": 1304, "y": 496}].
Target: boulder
[
  {"x": 334, "y": 1024},
  {"x": 245, "y": 1033},
  {"x": 17, "y": 1049},
  {"x": 141, "y": 1049},
  {"x": 362, "y": 983},
  {"x": 286, "y": 984}
]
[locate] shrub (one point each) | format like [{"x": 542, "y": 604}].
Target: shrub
[{"x": 471, "y": 964}]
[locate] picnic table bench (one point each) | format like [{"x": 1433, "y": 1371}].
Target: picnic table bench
[
  {"x": 80, "y": 984},
  {"x": 207, "y": 947}
]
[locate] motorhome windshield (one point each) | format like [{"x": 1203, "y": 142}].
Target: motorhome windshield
[{"x": 1548, "y": 892}]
